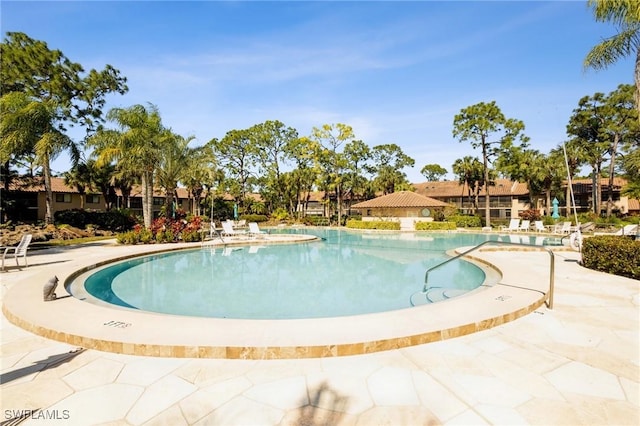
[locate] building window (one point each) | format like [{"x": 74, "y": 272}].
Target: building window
[
  {"x": 158, "y": 201},
  {"x": 135, "y": 203},
  {"x": 93, "y": 199},
  {"x": 63, "y": 198}
]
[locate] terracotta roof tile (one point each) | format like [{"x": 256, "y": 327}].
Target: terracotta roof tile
[
  {"x": 400, "y": 199},
  {"x": 456, "y": 189},
  {"x": 634, "y": 205}
]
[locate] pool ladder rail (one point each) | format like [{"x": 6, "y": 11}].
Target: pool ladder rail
[{"x": 426, "y": 289}]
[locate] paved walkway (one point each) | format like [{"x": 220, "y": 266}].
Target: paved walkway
[{"x": 576, "y": 364}]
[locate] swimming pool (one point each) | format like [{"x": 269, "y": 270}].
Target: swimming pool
[{"x": 344, "y": 273}]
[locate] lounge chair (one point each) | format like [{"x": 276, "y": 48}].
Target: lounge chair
[
  {"x": 254, "y": 230},
  {"x": 228, "y": 231},
  {"x": 514, "y": 224},
  {"x": 538, "y": 226},
  {"x": 18, "y": 251},
  {"x": 628, "y": 230},
  {"x": 524, "y": 226},
  {"x": 565, "y": 228}
]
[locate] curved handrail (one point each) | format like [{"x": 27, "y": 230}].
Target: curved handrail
[{"x": 548, "y": 299}]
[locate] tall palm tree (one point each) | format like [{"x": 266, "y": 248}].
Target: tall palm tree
[
  {"x": 174, "y": 159},
  {"x": 625, "y": 14},
  {"x": 136, "y": 147}
]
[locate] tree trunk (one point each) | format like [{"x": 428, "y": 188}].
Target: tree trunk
[
  {"x": 487, "y": 208},
  {"x": 147, "y": 198},
  {"x": 46, "y": 171},
  {"x": 612, "y": 164}
]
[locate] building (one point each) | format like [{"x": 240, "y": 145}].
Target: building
[
  {"x": 507, "y": 198},
  {"x": 405, "y": 206},
  {"x": 26, "y": 199}
]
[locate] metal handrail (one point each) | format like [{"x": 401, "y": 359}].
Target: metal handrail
[{"x": 549, "y": 298}]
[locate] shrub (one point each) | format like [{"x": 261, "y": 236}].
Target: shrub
[
  {"x": 465, "y": 221},
  {"x": 112, "y": 220},
  {"x": 531, "y": 214},
  {"x": 373, "y": 224},
  {"x": 280, "y": 214},
  {"x": 435, "y": 226},
  {"x": 613, "y": 254},
  {"x": 254, "y": 218}
]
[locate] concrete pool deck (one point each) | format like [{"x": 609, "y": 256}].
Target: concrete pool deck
[{"x": 576, "y": 364}]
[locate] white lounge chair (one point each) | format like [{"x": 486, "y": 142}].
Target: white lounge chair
[
  {"x": 254, "y": 230},
  {"x": 565, "y": 228},
  {"x": 18, "y": 251},
  {"x": 228, "y": 231},
  {"x": 538, "y": 226},
  {"x": 628, "y": 230},
  {"x": 524, "y": 226},
  {"x": 514, "y": 224}
]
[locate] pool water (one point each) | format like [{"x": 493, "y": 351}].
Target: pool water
[{"x": 343, "y": 273}]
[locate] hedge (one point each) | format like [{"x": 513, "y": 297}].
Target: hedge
[
  {"x": 373, "y": 224},
  {"x": 465, "y": 221},
  {"x": 112, "y": 220},
  {"x": 613, "y": 254},
  {"x": 436, "y": 226}
]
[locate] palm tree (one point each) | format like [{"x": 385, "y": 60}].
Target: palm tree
[
  {"x": 174, "y": 158},
  {"x": 80, "y": 177},
  {"x": 625, "y": 14},
  {"x": 136, "y": 147},
  {"x": 470, "y": 173},
  {"x": 27, "y": 126}
]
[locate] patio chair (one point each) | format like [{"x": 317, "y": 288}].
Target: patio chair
[
  {"x": 538, "y": 226},
  {"x": 628, "y": 230},
  {"x": 228, "y": 231},
  {"x": 514, "y": 224},
  {"x": 18, "y": 251},
  {"x": 524, "y": 226},
  {"x": 254, "y": 230},
  {"x": 565, "y": 228}
]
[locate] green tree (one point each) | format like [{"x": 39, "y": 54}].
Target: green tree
[
  {"x": 331, "y": 137},
  {"x": 477, "y": 124},
  {"x": 199, "y": 173},
  {"x": 470, "y": 174},
  {"x": 356, "y": 154},
  {"x": 273, "y": 142},
  {"x": 58, "y": 94},
  {"x": 79, "y": 177},
  {"x": 601, "y": 125},
  {"x": 625, "y": 15},
  {"x": 388, "y": 161},
  {"x": 238, "y": 154},
  {"x": 172, "y": 167},
  {"x": 433, "y": 172},
  {"x": 135, "y": 147}
]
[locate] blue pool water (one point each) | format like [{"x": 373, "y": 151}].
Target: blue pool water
[{"x": 344, "y": 273}]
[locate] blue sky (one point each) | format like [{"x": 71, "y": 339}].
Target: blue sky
[{"x": 397, "y": 72}]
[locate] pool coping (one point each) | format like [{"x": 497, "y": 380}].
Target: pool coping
[{"x": 143, "y": 333}]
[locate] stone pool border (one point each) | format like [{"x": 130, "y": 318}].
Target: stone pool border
[{"x": 142, "y": 333}]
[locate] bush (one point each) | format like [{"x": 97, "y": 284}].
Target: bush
[
  {"x": 465, "y": 221},
  {"x": 280, "y": 214},
  {"x": 254, "y": 218},
  {"x": 112, "y": 220},
  {"x": 371, "y": 224},
  {"x": 531, "y": 215},
  {"x": 164, "y": 230},
  {"x": 436, "y": 226},
  {"x": 613, "y": 254}
]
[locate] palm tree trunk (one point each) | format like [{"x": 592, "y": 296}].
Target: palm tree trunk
[
  {"x": 147, "y": 198},
  {"x": 612, "y": 164},
  {"x": 46, "y": 171}
]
